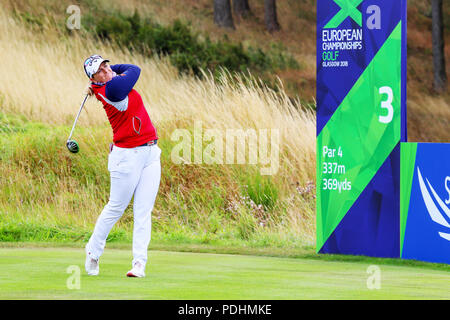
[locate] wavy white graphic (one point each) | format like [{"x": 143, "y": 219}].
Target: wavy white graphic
[
  {"x": 433, "y": 210},
  {"x": 446, "y": 236}
]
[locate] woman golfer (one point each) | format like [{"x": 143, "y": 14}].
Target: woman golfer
[{"x": 133, "y": 163}]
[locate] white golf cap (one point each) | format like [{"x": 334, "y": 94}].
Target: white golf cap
[{"x": 92, "y": 64}]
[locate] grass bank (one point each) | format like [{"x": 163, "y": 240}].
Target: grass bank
[{"x": 49, "y": 194}]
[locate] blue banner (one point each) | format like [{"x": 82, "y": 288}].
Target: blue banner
[{"x": 426, "y": 202}]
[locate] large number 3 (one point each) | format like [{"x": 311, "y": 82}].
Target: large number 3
[{"x": 387, "y": 105}]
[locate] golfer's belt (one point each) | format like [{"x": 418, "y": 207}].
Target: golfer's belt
[{"x": 150, "y": 143}]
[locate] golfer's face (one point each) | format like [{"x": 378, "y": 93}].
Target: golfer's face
[{"x": 104, "y": 73}]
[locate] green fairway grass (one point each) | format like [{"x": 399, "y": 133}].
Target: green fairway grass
[{"x": 42, "y": 273}]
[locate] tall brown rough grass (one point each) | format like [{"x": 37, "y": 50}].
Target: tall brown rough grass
[{"x": 45, "y": 82}]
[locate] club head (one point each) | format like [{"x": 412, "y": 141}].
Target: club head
[{"x": 72, "y": 145}]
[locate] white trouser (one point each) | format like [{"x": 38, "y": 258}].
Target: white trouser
[{"x": 134, "y": 171}]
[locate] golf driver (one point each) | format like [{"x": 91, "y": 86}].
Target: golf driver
[{"x": 72, "y": 145}]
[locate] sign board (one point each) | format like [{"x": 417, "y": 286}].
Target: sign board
[
  {"x": 425, "y": 202},
  {"x": 361, "y": 120}
]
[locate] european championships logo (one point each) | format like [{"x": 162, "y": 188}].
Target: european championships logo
[
  {"x": 348, "y": 8},
  {"x": 437, "y": 214}
]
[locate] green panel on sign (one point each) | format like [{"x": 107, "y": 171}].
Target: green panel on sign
[
  {"x": 407, "y": 163},
  {"x": 359, "y": 137}
]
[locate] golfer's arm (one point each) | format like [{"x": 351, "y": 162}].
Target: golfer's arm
[{"x": 120, "y": 86}]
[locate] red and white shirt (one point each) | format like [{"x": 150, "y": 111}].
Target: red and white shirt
[{"x": 125, "y": 109}]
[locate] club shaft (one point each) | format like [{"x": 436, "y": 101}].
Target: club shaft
[{"x": 76, "y": 119}]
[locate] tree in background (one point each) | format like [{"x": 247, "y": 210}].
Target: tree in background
[
  {"x": 270, "y": 13},
  {"x": 222, "y": 14},
  {"x": 437, "y": 30},
  {"x": 241, "y": 8}
]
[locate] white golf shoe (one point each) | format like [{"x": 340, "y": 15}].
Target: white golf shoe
[
  {"x": 138, "y": 270},
  {"x": 91, "y": 264}
]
